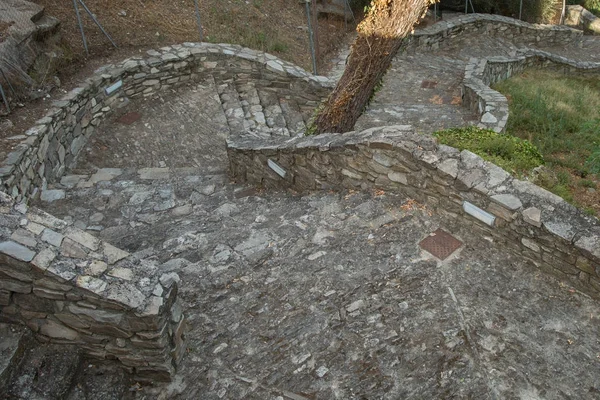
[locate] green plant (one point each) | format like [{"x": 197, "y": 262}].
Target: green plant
[
  {"x": 587, "y": 183},
  {"x": 593, "y": 162},
  {"x": 511, "y": 153}
]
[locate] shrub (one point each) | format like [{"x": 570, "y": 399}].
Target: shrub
[{"x": 513, "y": 154}]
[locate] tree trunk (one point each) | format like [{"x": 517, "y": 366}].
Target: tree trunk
[{"x": 380, "y": 36}]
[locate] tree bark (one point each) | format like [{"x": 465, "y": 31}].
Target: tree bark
[{"x": 380, "y": 36}]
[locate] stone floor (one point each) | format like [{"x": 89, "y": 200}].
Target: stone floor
[{"x": 327, "y": 295}]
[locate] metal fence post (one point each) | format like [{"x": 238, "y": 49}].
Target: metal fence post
[
  {"x": 85, "y": 46},
  {"x": 311, "y": 37},
  {"x": 198, "y": 20},
  {"x": 4, "y": 99},
  {"x": 521, "y": 10},
  {"x": 93, "y": 17}
]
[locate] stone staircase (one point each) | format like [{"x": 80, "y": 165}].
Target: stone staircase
[
  {"x": 30, "y": 370},
  {"x": 263, "y": 112}
]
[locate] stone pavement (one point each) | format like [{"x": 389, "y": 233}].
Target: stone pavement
[
  {"x": 326, "y": 295},
  {"x": 329, "y": 296}
]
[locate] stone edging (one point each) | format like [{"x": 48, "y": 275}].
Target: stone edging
[
  {"x": 436, "y": 36},
  {"x": 70, "y": 287},
  {"x": 528, "y": 220},
  {"x": 480, "y": 74},
  {"x": 51, "y": 146}
]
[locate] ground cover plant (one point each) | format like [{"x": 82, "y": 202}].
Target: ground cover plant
[
  {"x": 513, "y": 154},
  {"x": 560, "y": 115}
]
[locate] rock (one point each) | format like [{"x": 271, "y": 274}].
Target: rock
[
  {"x": 90, "y": 283},
  {"x": 17, "y": 251},
  {"x": 508, "y": 200},
  {"x": 52, "y": 237},
  {"x": 113, "y": 254},
  {"x": 488, "y": 118},
  {"x": 125, "y": 293},
  {"x": 56, "y": 330},
  {"x": 398, "y": 177},
  {"x": 52, "y": 195},
  {"x": 154, "y": 173},
  {"x": 532, "y": 216}
]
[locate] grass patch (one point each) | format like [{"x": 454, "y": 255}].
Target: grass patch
[
  {"x": 560, "y": 115},
  {"x": 515, "y": 155}
]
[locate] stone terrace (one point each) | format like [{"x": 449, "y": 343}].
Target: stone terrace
[{"x": 324, "y": 294}]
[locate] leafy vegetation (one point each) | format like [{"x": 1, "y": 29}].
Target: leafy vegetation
[
  {"x": 511, "y": 153},
  {"x": 561, "y": 116}
]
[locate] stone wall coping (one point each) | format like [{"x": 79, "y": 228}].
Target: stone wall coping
[
  {"x": 480, "y": 74},
  {"x": 72, "y": 256},
  {"x": 525, "y": 209}
]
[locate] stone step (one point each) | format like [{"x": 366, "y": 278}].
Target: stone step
[
  {"x": 12, "y": 338},
  {"x": 273, "y": 112},
  {"x": 254, "y": 113},
  {"x": 232, "y": 106},
  {"x": 293, "y": 116}
]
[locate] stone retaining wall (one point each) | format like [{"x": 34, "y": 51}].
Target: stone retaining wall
[
  {"x": 70, "y": 287},
  {"x": 52, "y": 145},
  {"x": 518, "y": 32},
  {"x": 480, "y": 74},
  {"x": 529, "y": 220}
]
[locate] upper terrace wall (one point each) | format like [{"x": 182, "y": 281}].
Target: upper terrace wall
[
  {"x": 52, "y": 145},
  {"x": 526, "y": 219},
  {"x": 439, "y": 35}
]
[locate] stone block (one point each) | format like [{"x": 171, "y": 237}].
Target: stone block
[
  {"x": 5, "y": 296},
  {"x": 17, "y": 251},
  {"x": 57, "y": 330},
  {"x": 11, "y": 285}
]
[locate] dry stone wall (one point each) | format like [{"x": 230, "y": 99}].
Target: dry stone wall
[
  {"x": 52, "y": 145},
  {"x": 518, "y": 32},
  {"x": 480, "y": 74},
  {"x": 69, "y": 287},
  {"x": 526, "y": 219}
]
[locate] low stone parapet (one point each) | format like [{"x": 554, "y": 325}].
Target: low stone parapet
[
  {"x": 480, "y": 74},
  {"x": 523, "y": 217},
  {"x": 519, "y": 32},
  {"x": 70, "y": 287}
]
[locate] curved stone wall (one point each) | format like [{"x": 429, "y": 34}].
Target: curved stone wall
[
  {"x": 438, "y": 35},
  {"x": 53, "y": 144},
  {"x": 526, "y": 219},
  {"x": 491, "y": 105},
  {"x": 65, "y": 284},
  {"x": 70, "y": 287}
]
